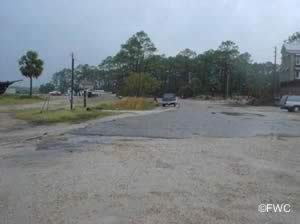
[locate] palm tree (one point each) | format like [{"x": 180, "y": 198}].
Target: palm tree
[{"x": 31, "y": 66}]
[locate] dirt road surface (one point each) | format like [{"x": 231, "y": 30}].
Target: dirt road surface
[{"x": 200, "y": 163}]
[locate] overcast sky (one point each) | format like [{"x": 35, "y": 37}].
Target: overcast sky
[{"x": 94, "y": 29}]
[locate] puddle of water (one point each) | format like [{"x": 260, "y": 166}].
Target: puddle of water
[
  {"x": 242, "y": 114},
  {"x": 71, "y": 143},
  {"x": 82, "y": 140},
  {"x": 60, "y": 145}
]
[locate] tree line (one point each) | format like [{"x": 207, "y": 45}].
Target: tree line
[{"x": 138, "y": 70}]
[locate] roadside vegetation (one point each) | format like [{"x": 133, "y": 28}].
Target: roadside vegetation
[
  {"x": 19, "y": 99},
  {"x": 129, "y": 103},
  {"x": 62, "y": 114},
  {"x": 77, "y": 115}
]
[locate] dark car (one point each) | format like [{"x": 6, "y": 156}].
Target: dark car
[{"x": 169, "y": 99}]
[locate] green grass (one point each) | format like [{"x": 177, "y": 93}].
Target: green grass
[
  {"x": 80, "y": 114},
  {"x": 130, "y": 103},
  {"x": 19, "y": 99},
  {"x": 60, "y": 116}
]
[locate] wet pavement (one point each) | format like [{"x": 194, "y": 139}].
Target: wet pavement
[{"x": 194, "y": 118}]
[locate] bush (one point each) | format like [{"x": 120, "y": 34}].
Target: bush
[
  {"x": 60, "y": 116},
  {"x": 186, "y": 91},
  {"x": 130, "y": 103},
  {"x": 140, "y": 84},
  {"x": 46, "y": 88}
]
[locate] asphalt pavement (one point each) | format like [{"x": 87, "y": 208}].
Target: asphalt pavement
[{"x": 195, "y": 118}]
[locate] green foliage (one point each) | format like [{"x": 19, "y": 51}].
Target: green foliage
[
  {"x": 133, "y": 53},
  {"x": 82, "y": 74},
  {"x": 294, "y": 37},
  {"x": 133, "y": 56},
  {"x": 187, "y": 53},
  {"x": 137, "y": 71},
  {"x": 46, "y": 88},
  {"x": 259, "y": 81},
  {"x": 31, "y": 66},
  {"x": 186, "y": 91},
  {"x": 140, "y": 84},
  {"x": 62, "y": 80},
  {"x": 129, "y": 103}
]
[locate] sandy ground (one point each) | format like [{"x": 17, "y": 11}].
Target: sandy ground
[{"x": 48, "y": 175}]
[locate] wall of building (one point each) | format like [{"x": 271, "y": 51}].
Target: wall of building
[
  {"x": 287, "y": 67},
  {"x": 287, "y": 73},
  {"x": 288, "y": 84},
  {"x": 292, "y": 68}
]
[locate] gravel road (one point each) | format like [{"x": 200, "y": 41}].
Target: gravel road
[{"x": 200, "y": 163}]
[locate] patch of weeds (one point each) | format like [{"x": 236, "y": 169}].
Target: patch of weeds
[
  {"x": 60, "y": 116},
  {"x": 129, "y": 103}
]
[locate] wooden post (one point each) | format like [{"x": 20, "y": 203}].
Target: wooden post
[
  {"x": 227, "y": 86},
  {"x": 274, "y": 89},
  {"x": 72, "y": 82},
  {"x": 30, "y": 90},
  {"x": 84, "y": 98}
]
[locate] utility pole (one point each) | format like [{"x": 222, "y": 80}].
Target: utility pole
[
  {"x": 84, "y": 98},
  {"x": 227, "y": 80},
  {"x": 72, "y": 83},
  {"x": 275, "y": 74},
  {"x": 227, "y": 85},
  {"x": 139, "y": 87}
]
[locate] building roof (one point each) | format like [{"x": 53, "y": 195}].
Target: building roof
[{"x": 292, "y": 47}]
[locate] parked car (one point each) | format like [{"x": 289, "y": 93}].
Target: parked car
[
  {"x": 94, "y": 93},
  {"x": 290, "y": 103},
  {"x": 55, "y": 93},
  {"x": 169, "y": 99}
]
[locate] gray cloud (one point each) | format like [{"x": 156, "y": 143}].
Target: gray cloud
[{"x": 94, "y": 29}]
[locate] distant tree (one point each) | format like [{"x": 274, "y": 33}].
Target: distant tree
[
  {"x": 259, "y": 80},
  {"x": 228, "y": 51},
  {"x": 133, "y": 57},
  {"x": 46, "y": 88},
  {"x": 188, "y": 53},
  {"x": 186, "y": 91},
  {"x": 87, "y": 72},
  {"x": 158, "y": 66},
  {"x": 137, "y": 70},
  {"x": 62, "y": 80},
  {"x": 31, "y": 66},
  {"x": 184, "y": 63},
  {"x": 207, "y": 70},
  {"x": 111, "y": 71},
  {"x": 242, "y": 68},
  {"x": 107, "y": 64},
  {"x": 141, "y": 84},
  {"x": 134, "y": 52},
  {"x": 294, "y": 37}
]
